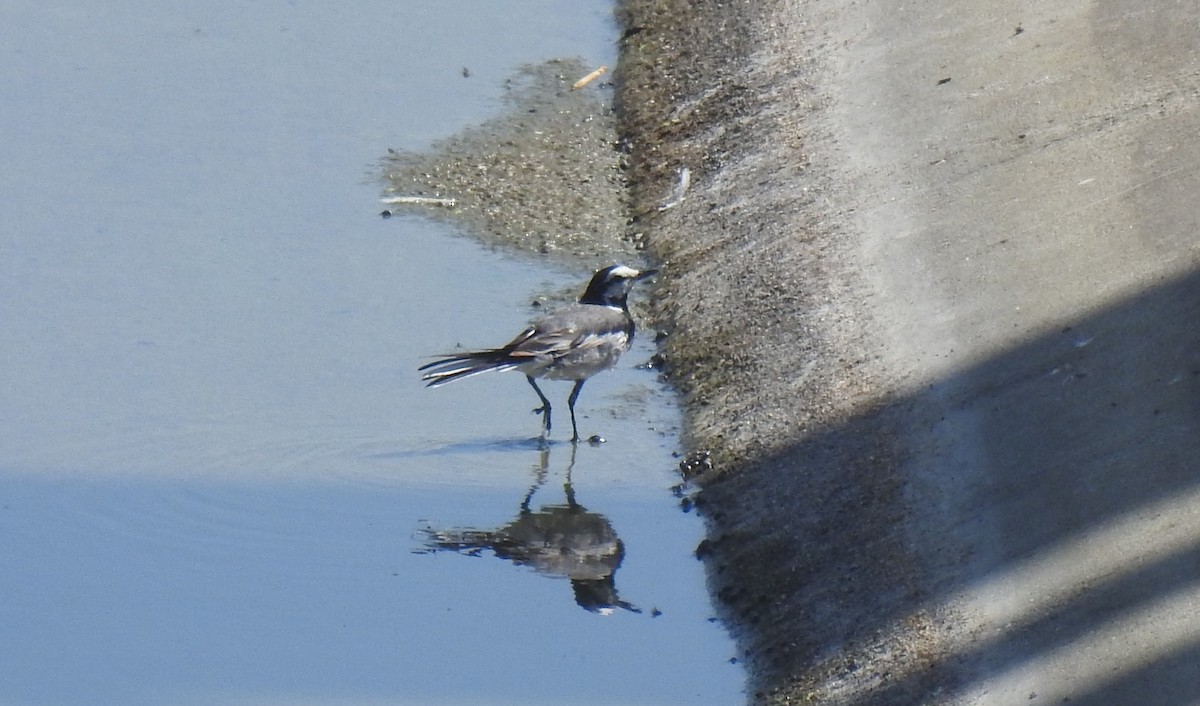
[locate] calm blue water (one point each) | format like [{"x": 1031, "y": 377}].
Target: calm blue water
[{"x": 220, "y": 478}]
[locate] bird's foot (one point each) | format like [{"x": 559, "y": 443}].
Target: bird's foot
[
  {"x": 593, "y": 440},
  {"x": 545, "y": 412}
]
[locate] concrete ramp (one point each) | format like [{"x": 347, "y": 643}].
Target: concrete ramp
[
  {"x": 1027, "y": 186},
  {"x": 934, "y": 296}
]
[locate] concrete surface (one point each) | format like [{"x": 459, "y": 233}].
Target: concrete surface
[{"x": 932, "y": 298}]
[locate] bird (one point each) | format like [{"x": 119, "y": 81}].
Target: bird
[{"x": 574, "y": 343}]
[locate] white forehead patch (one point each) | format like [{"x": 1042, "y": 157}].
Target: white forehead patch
[{"x": 624, "y": 272}]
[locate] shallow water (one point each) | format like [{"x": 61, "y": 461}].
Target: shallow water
[{"x": 220, "y": 476}]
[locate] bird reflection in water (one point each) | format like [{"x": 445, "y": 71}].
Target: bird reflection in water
[{"x": 555, "y": 540}]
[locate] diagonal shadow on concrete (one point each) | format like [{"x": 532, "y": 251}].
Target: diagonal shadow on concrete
[{"x": 1034, "y": 514}]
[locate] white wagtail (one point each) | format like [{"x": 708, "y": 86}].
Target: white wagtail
[{"x": 572, "y": 344}]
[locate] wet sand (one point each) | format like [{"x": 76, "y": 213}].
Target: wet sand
[{"x": 931, "y": 299}]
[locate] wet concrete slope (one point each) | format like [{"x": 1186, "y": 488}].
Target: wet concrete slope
[{"x": 933, "y": 296}]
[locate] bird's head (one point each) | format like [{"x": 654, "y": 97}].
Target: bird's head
[{"x": 610, "y": 286}]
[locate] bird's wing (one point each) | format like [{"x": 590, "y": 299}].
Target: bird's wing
[
  {"x": 575, "y": 329},
  {"x": 550, "y": 343}
]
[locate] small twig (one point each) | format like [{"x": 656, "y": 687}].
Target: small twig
[
  {"x": 589, "y": 78},
  {"x": 418, "y": 201}
]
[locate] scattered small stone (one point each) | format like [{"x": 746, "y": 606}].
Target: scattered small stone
[{"x": 696, "y": 464}]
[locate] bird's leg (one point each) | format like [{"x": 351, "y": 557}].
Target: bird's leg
[
  {"x": 544, "y": 410},
  {"x": 567, "y": 487},
  {"x": 571, "y": 406}
]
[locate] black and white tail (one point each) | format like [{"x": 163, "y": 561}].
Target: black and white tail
[{"x": 460, "y": 367}]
